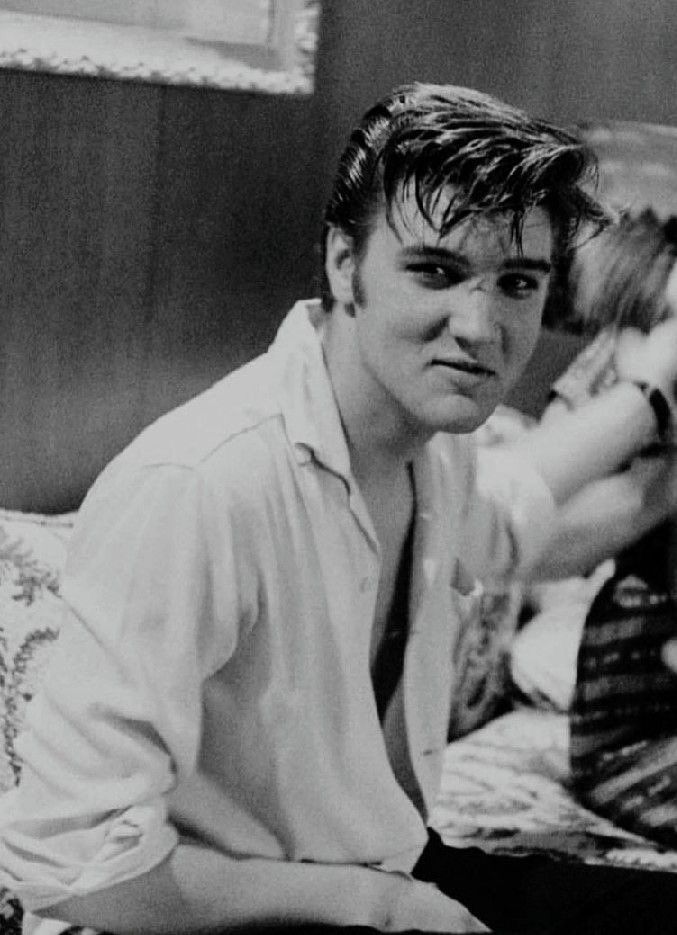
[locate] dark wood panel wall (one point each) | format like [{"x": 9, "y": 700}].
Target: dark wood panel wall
[
  {"x": 152, "y": 237},
  {"x": 570, "y": 60}
]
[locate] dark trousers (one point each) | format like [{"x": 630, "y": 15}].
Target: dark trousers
[{"x": 541, "y": 896}]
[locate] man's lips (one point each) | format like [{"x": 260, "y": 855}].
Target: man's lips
[{"x": 471, "y": 367}]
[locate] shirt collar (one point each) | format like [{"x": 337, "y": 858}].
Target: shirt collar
[
  {"x": 309, "y": 407},
  {"x": 312, "y": 419}
]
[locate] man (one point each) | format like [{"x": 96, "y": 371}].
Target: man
[{"x": 246, "y": 743}]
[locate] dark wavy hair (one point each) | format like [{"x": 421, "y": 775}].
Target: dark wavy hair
[
  {"x": 436, "y": 140},
  {"x": 618, "y": 278}
]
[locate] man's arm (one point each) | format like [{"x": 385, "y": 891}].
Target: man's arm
[
  {"x": 197, "y": 889},
  {"x": 85, "y": 836}
]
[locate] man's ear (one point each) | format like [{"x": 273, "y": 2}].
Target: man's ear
[{"x": 340, "y": 265}]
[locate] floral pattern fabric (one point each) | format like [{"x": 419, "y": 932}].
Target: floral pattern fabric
[{"x": 32, "y": 553}]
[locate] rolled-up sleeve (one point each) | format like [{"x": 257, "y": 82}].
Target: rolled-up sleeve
[{"x": 118, "y": 718}]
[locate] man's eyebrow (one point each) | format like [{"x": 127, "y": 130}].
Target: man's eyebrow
[
  {"x": 414, "y": 251},
  {"x": 538, "y": 264}
]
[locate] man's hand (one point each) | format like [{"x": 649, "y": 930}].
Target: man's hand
[{"x": 416, "y": 905}]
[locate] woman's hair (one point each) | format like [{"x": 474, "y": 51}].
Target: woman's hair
[
  {"x": 437, "y": 141},
  {"x": 618, "y": 278}
]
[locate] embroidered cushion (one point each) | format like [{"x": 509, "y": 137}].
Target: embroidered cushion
[{"x": 32, "y": 554}]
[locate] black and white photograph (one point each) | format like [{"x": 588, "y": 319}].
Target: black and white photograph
[{"x": 338, "y": 467}]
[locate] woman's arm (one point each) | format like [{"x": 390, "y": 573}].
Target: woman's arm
[
  {"x": 600, "y": 437},
  {"x": 590, "y": 443},
  {"x": 609, "y": 514}
]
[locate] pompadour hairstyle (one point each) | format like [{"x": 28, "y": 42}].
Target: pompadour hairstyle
[
  {"x": 437, "y": 140},
  {"x": 618, "y": 278}
]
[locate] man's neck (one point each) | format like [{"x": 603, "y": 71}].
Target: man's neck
[{"x": 381, "y": 443}]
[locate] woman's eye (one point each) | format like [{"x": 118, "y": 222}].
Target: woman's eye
[
  {"x": 519, "y": 285},
  {"x": 435, "y": 276}
]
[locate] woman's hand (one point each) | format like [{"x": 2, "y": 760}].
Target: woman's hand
[
  {"x": 671, "y": 289},
  {"x": 651, "y": 358}
]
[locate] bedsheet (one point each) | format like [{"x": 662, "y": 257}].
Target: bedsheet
[{"x": 504, "y": 789}]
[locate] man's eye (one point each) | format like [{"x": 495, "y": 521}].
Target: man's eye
[
  {"x": 435, "y": 276},
  {"x": 519, "y": 285}
]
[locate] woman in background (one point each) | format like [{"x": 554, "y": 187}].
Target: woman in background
[
  {"x": 624, "y": 715},
  {"x": 622, "y": 279}
]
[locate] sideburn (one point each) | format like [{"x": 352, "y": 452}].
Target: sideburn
[{"x": 357, "y": 286}]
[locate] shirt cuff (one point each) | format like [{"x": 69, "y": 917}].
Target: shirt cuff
[{"x": 43, "y": 870}]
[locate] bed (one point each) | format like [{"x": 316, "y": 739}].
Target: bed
[{"x": 505, "y": 790}]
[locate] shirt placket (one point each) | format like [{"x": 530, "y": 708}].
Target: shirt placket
[{"x": 424, "y": 667}]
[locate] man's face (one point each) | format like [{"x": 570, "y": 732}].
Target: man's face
[{"x": 445, "y": 325}]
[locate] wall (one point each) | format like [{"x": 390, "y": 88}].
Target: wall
[
  {"x": 152, "y": 237},
  {"x": 569, "y": 60}
]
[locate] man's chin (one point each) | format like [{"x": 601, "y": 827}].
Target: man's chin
[{"x": 468, "y": 415}]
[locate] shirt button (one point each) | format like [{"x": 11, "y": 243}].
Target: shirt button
[{"x": 365, "y": 585}]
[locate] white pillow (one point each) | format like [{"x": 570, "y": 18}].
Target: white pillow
[{"x": 544, "y": 652}]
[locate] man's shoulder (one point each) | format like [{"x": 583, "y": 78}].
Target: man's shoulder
[
  {"x": 228, "y": 444},
  {"x": 230, "y": 414}
]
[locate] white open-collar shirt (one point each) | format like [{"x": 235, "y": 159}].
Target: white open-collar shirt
[{"x": 212, "y": 676}]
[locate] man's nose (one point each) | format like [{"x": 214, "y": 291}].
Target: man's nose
[{"x": 473, "y": 313}]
